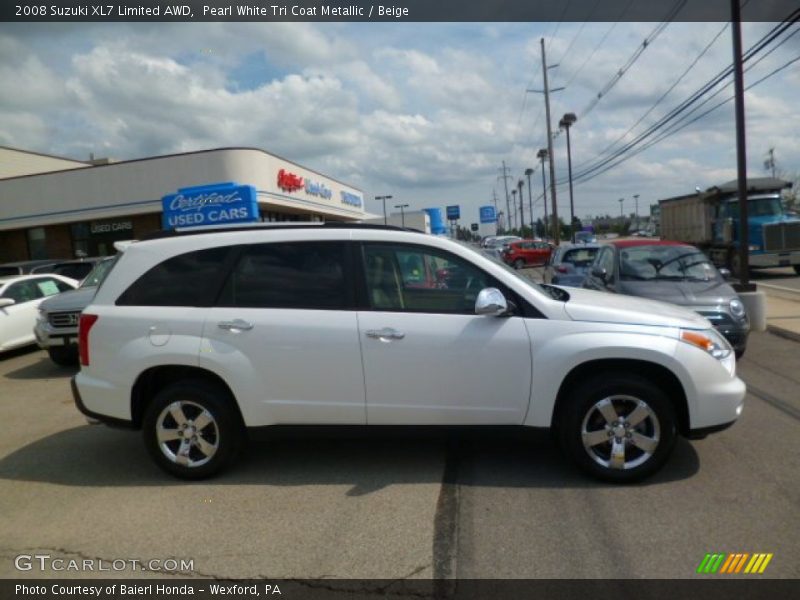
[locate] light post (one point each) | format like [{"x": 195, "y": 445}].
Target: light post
[
  {"x": 621, "y": 215},
  {"x": 528, "y": 173},
  {"x": 384, "y": 198},
  {"x": 541, "y": 155},
  {"x": 565, "y": 123},
  {"x": 402, "y": 214},
  {"x": 520, "y": 185},
  {"x": 514, "y": 204}
]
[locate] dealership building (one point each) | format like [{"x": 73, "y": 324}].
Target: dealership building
[{"x": 52, "y": 207}]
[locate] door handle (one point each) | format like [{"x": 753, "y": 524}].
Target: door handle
[
  {"x": 235, "y": 325},
  {"x": 387, "y": 333}
]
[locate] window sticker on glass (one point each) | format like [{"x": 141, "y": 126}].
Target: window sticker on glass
[{"x": 48, "y": 288}]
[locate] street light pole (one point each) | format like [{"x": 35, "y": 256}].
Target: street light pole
[
  {"x": 402, "y": 214},
  {"x": 514, "y": 204},
  {"x": 528, "y": 173},
  {"x": 621, "y": 215},
  {"x": 384, "y": 198},
  {"x": 566, "y": 122},
  {"x": 541, "y": 155},
  {"x": 520, "y": 185}
]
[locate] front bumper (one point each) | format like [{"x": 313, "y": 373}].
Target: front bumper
[
  {"x": 775, "y": 259},
  {"x": 47, "y": 335}
]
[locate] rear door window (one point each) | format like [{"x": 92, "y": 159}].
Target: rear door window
[{"x": 307, "y": 275}]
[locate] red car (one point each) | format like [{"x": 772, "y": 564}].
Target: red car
[{"x": 527, "y": 253}]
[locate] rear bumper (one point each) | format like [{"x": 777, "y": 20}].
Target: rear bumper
[{"x": 94, "y": 416}]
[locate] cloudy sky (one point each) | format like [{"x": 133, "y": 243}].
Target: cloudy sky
[{"x": 425, "y": 112}]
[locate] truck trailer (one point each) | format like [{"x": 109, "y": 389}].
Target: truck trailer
[{"x": 710, "y": 221}]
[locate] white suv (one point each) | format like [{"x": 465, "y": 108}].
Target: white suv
[{"x": 195, "y": 337}]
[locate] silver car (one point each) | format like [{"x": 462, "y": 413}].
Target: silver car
[{"x": 671, "y": 272}]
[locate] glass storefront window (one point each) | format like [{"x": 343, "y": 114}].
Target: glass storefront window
[{"x": 37, "y": 246}]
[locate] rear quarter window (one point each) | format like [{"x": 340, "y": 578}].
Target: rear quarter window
[{"x": 190, "y": 279}]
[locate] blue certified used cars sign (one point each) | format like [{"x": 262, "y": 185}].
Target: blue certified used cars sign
[
  {"x": 453, "y": 212},
  {"x": 210, "y": 205}
]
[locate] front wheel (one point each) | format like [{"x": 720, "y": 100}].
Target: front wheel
[
  {"x": 64, "y": 356},
  {"x": 618, "y": 428},
  {"x": 519, "y": 263},
  {"x": 192, "y": 430}
]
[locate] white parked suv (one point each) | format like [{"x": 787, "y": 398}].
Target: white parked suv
[{"x": 194, "y": 337}]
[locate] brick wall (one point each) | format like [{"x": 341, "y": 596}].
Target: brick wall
[
  {"x": 59, "y": 241},
  {"x": 13, "y": 246}
]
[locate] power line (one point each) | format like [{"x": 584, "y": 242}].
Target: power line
[
  {"x": 694, "y": 98},
  {"x": 666, "y": 93},
  {"x": 675, "y": 128},
  {"x": 634, "y": 57}
]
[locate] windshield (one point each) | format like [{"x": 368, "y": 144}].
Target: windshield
[
  {"x": 758, "y": 207},
  {"x": 549, "y": 290},
  {"x": 674, "y": 263},
  {"x": 98, "y": 274}
]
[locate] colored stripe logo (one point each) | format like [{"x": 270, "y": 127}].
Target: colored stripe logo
[{"x": 734, "y": 563}]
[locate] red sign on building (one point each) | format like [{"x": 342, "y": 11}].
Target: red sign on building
[{"x": 289, "y": 182}]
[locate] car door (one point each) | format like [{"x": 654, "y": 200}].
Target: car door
[
  {"x": 285, "y": 330},
  {"x": 18, "y": 319},
  {"x": 604, "y": 262},
  {"x": 428, "y": 358}
]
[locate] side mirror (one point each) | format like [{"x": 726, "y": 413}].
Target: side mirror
[
  {"x": 600, "y": 273},
  {"x": 490, "y": 301},
  {"x": 725, "y": 273},
  {"x": 7, "y": 302}
]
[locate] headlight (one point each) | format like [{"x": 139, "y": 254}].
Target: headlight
[
  {"x": 708, "y": 340},
  {"x": 737, "y": 308}
]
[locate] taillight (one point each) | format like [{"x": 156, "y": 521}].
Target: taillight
[
  {"x": 84, "y": 325},
  {"x": 561, "y": 269}
]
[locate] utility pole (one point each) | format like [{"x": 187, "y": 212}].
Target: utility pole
[
  {"x": 556, "y": 232},
  {"x": 520, "y": 185},
  {"x": 505, "y": 177},
  {"x": 741, "y": 148}
]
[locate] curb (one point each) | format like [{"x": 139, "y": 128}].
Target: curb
[
  {"x": 778, "y": 291},
  {"x": 784, "y": 333}
]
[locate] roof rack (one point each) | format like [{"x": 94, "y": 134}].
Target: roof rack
[{"x": 182, "y": 231}]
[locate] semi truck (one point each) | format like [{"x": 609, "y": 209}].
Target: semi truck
[{"x": 710, "y": 221}]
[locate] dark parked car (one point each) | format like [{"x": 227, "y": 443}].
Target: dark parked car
[
  {"x": 23, "y": 267},
  {"x": 569, "y": 264},
  {"x": 671, "y": 272},
  {"x": 76, "y": 269}
]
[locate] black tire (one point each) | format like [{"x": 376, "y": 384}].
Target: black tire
[
  {"x": 64, "y": 356},
  {"x": 222, "y": 429},
  {"x": 739, "y": 353},
  {"x": 624, "y": 392},
  {"x": 519, "y": 263},
  {"x": 797, "y": 269}
]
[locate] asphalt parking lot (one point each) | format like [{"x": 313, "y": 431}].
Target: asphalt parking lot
[{"x": 406, "y": 505}]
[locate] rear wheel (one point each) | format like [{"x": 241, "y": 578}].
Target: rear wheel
[
  {"x": 65, "y": 356},
  {"x": 519, "y": 263},
  {"x": 619, "y": 428},
  {"x": 192, "y": 430}
]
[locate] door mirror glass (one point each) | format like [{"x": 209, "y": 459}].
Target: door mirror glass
[
  {"x": 600, "y": 273},
  {"x": 491, "y": 301}
]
